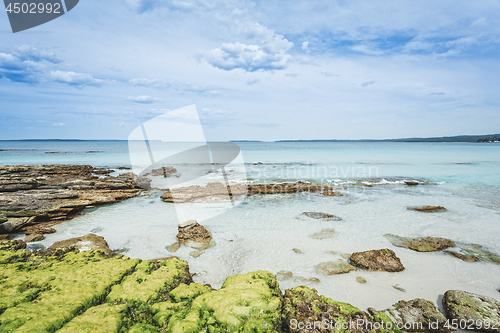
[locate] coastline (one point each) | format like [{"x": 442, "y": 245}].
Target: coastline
[{"x": 382, "y": 290}]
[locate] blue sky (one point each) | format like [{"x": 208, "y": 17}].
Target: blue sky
[{"x": 256, "y": 70}]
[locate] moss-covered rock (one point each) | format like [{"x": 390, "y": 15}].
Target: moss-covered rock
[
  {"x": 143, "y": 328},
  {"x": 417, "y": 315},
  {"x": 420, "y": 244},
  {"x": 42, "y": 293},
  {"x": 306, "y": 311},
  {"x": 476, "y": 311},
  {"x": 151, "y": 282},
  {"x": 104, "y": 318},
  {"x": 245, "y": 303}
]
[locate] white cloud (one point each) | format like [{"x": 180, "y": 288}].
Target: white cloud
[
  {"x": 75, "y": 79},
  {"x": 59, "y": 124},
  {"x": 270, "y": 56},
  {"x": 144, "y": 99},
  {"x": 154, "y": 83},
  {"x": 305, "y": 46}
]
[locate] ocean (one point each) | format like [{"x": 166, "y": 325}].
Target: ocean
[{"x": 260, "y": 232}]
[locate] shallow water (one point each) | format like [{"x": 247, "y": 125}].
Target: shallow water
[{"x": 261, "y": 231}]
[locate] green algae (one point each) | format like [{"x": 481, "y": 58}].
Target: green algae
[
  {"x": 304, "y": 305},
  {"x": 151, "y": 281},
  {"x": 104, "y": 318},
  {"x": 143, "y": 328},
  {"x": 44, "y": 293},
  {"x": 245, "y": 303}
]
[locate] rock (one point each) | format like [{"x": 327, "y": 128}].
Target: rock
[
  {"x": 377, "y": 260},
  {"x": 411, "y": 182},
  {"x": 245, "y": 303},
  {"x": 17, "y": 184},
  {"x": 332, "y": 194},
  {"x": 38, "y": 229},
  {"x": 319, "y": 216},
  {"x": 480, "y": 312},
  {"x": 216, "y": 191},
  {"x": 461, "y": 256},
  {"x": 331, "y": 252},
  {"x": 303, "y": 307},
  {"x": 56, "y": 193},
  {"x": 476, "y": 252},
  {"x": 284, "y": 275},
  {"x": 167, "y": 171},
  {"x": 361, "y": 280},
  {"x": 420, "y": 244},
  {"x": 15, "y": 223},
  {"x": 417, "y": 315},
  {"x": 35, "y": 247},
  {"x": 33, "y": 238},
  {"x": 12, "y": 245},
  {"x": 85, "y": 243},
  {"x": 323, "y": 234},
  {"x": 334, "y": 267},
  {"x": 195, "y": 253},
  {"x": 297, "y": 251},
  {"x": 397, "y": 287},
  {"x": 428, "y": 209},
  {"x": 174, "y": 247},
  {"x": 5, "y": 237},
  {"x": 305, "y": 280},
  {"x": 192, "y": 234}
]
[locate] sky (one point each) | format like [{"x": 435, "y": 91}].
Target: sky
[{"x": 256, "y": 70}]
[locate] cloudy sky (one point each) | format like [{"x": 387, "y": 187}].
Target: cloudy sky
[{"x": 256, "y": 70}]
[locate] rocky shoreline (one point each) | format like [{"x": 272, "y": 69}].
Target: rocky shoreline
[
  {"x": 34, "y": 198},
  {"x": 77, "y": 285}
]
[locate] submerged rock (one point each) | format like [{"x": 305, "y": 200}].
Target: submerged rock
[
  {"x": 284, "y": 275},
  {"x": 420, "y": 244},
  {"x": 477, "y": 312},
  {"x": 417, "y": 315},
  {"x": 331, "y": 194},
  {"x": 319, "y": 216},
  {"x": 298, "y": 251},
  {"x": 334, "y": 267},
  {"x": 361, "y": 280},
  {"x": 428, "y": 209},
  {"x": 324, "y": 234},
  {"x": 85, "y": 243},
  {"x": 475, "y": 252},
  {"x": 377, "y": 260},
  {"x": 306, "y": 280}
]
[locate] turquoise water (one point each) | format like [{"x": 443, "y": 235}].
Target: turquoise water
[{"x": 260, "y": 232}]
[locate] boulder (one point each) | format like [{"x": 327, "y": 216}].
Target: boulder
[
  {"x": 192, "y": 234},
  {"x": 334, "y": 267},
  {"x": 319, "y": 216},
  {"x": 417, "y": 315},
  {"x": 478, "y": 312},
  {"x": 377, "y": 260},
  {"x": 85, "y": 243},
  {"x": 420, "y": 244},
  {"x": 361, "y": 280},
  {"x": 428, "y": 209}
]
